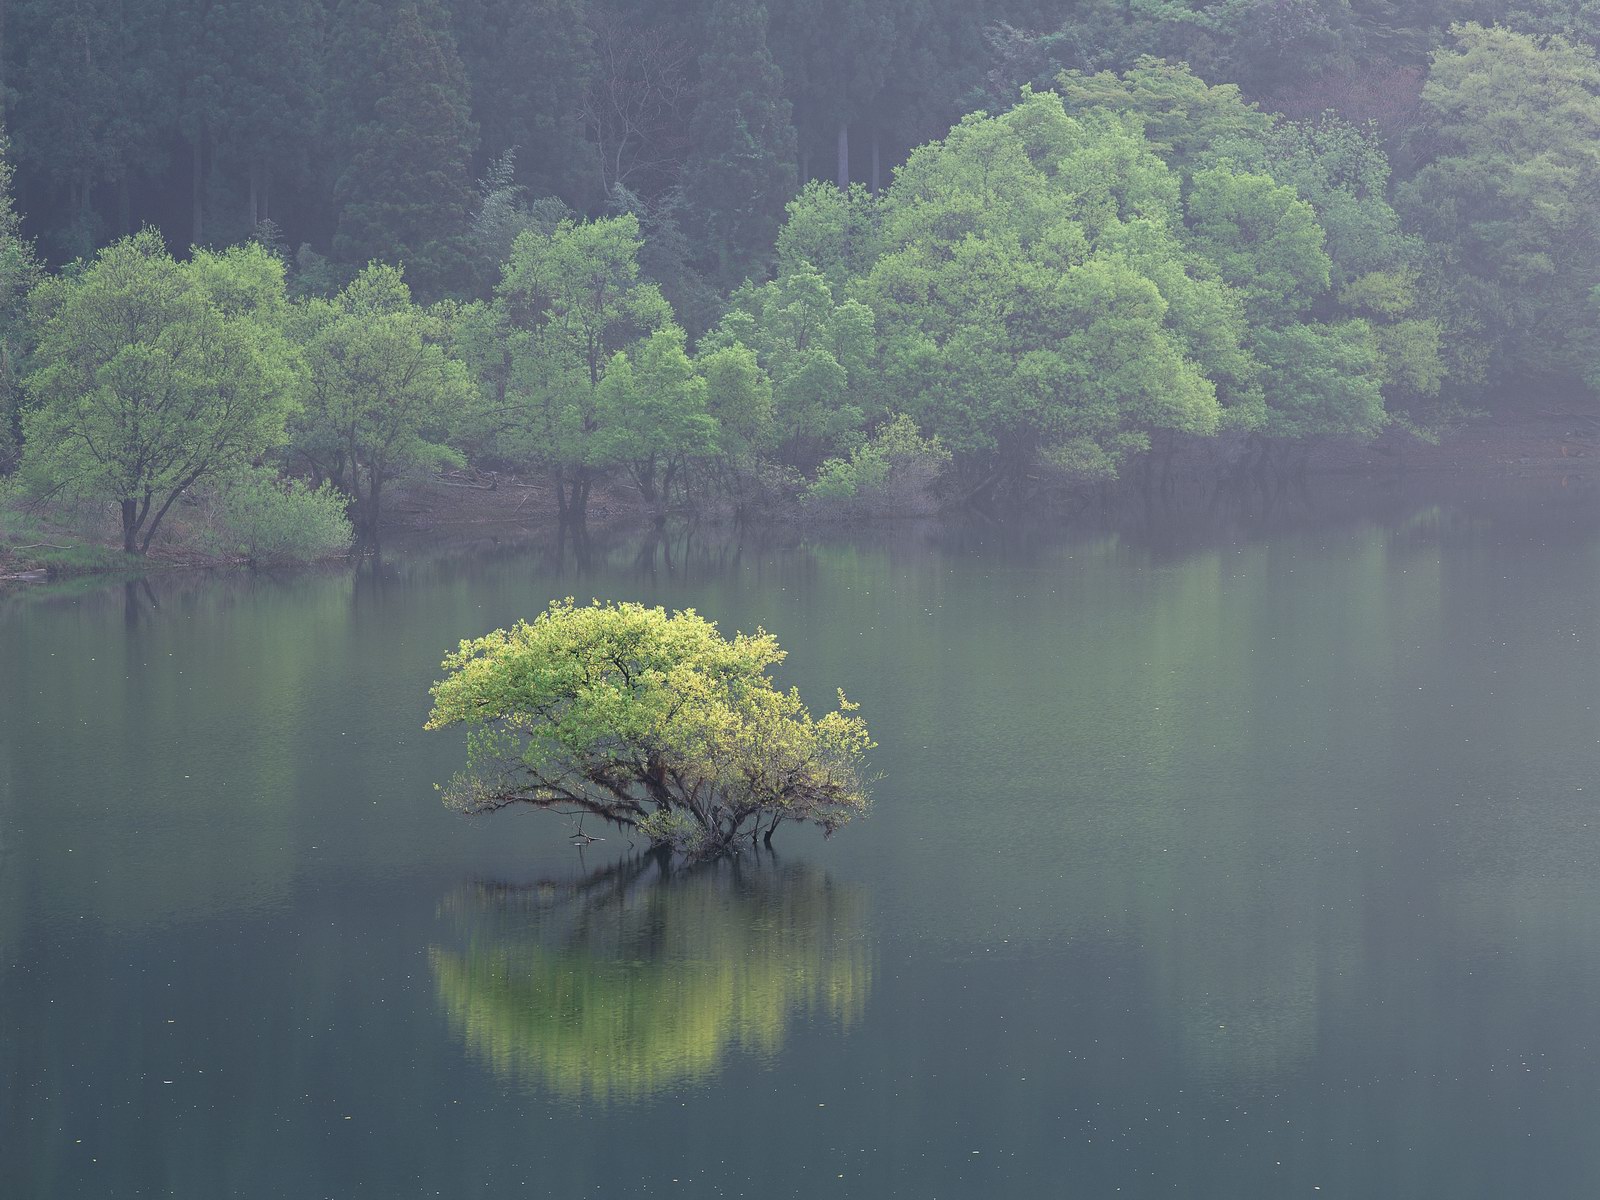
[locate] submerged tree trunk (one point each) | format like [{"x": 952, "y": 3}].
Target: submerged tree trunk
[
  {"x": 875, "y": 163},
  {"x": 572, "y": 498},
  {"x": 844, "y": 155}
]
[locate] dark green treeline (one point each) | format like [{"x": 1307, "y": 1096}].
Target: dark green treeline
[{"x": 357, "y": 128}]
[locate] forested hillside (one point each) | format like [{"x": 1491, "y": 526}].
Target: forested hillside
[{"x": 826, "y": 249}]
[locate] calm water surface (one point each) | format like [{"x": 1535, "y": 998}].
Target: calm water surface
[{"x": 1233, "y": 858}]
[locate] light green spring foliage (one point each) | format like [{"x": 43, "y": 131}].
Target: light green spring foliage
[
  {"x": 567, "y": 303},
  {"x": 1511, "y": 190},
  {"x": 1184, "y": 119},
  {"x": 19, "y": 272},
  {"x": 652, "y": 412},
  {"x": 1323, "y": 379},
  {"x": 817, "y": 350},
  {"x": 739, "y": 399},
  {"x": 651, "y": 720},
  {"x": 384, "y": 392},
  {"x": 1130, "y": 255},
  {"x": 831, "y": 231},
  {"x": 1262, "y": 238},
  {"x": 1017, "y": 314},
  {"x": 1376, "y": 269},
  {"x": 1340, "y": 170},
  {"x": 155, "y": 375},
  {"x": 583, "y": 368},
  {"x": 1294, "y": 219},
  {"x": 269, "y": 520},
  {"x": 892, "y": 473}
]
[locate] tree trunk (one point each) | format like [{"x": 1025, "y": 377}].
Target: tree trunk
[
  {"x": 255, "y": 196},
  {"x": 844, "y": 155},
  {"x": 198, "y": 189},
  {"x": 666, "y": 483},
  {"x": 875, "y": 162},
  {"x": 130, "y": 526},
  {"x": 155, "y": 522},
  {"x": 644, "y": 474},
  {"x": 374, "y": 506}
]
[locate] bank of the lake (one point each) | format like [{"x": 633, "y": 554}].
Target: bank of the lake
[{"x": 1552, "y": 444}]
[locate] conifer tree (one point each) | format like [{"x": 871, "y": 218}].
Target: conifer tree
[
  {"x": 742, "y": 171},
  {"x": 528, "y": 62},
  {"x": 407, "y": 196}
]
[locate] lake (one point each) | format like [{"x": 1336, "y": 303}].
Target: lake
[{"x": 1253, "y": 852}]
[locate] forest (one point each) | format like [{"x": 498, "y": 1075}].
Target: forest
[{"x": 837, "y": 256}]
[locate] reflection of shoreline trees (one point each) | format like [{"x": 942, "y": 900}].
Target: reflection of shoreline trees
[{"x": 640, "y": 978}]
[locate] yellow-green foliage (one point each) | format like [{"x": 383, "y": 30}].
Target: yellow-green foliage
[
  {"x": 651, "y": 990},
  {"x": 652, "y": 720}
]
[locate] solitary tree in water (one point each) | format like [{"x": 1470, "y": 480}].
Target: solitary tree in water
[{"x": 655, "y": 722}]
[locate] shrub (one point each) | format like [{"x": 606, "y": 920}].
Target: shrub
[
  {"x": 267, "y": 519},
  {"x": 893, "y": 474}
]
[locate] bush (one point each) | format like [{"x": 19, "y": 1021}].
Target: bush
[
  {"x": 893, "y": 474},
  {"x": 655, "y": 722},
  {"x": 266, "y": 519}
]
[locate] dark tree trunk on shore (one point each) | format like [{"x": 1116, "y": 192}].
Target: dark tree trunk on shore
[{"x": 130, "y": 526}]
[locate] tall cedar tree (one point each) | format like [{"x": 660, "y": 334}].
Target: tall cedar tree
[
  {"x": 250, "y": 102},
  {"x": 407, "y": 196},
  {"x": 269, "y": 100},
  {"x": 528, "y": 62},
  {"x": 837, "y": 56},
  {"x": 742, "y": 170},
  {"x": 87, "y": 111}
]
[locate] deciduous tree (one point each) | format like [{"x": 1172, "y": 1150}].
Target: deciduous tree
[
  {"x": 154, "y": 375},
  {"x": 384, "y": 391},
  {"x": 654, "y": 721}
]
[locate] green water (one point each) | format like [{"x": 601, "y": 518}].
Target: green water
[{"x": 1234, "y": 856}]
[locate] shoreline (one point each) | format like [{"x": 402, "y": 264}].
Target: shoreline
[{"x": 1555, "y": 447}]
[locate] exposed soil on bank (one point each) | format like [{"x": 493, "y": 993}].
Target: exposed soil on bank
[{"x": 467, "y": 500}]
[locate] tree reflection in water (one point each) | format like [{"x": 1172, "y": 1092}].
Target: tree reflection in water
[{"x": 639, "y": 977}]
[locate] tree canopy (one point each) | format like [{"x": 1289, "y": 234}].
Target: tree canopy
[
  {"x": 1510, "y": 189},
  {"x": 156, "y": 374},
  {"x": 654, "y": 721},
  {"x": 383, "y": 394}
]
